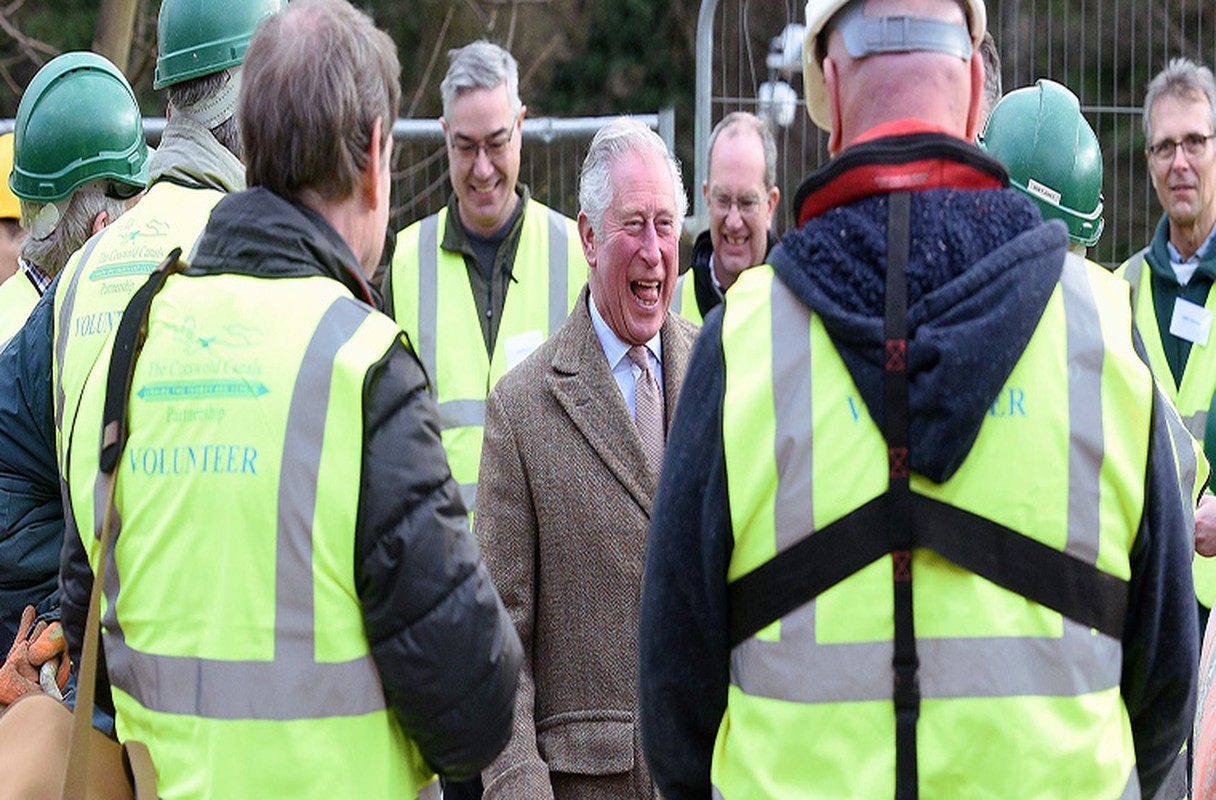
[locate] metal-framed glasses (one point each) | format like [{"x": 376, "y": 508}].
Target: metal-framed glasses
[
  {"x": 749, "y": 204},
  {"x": 494, "y": 146},
  {"x": 1193, "y": 144}
]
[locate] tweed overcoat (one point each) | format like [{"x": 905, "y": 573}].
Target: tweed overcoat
[{"x": 564, "y": 503}]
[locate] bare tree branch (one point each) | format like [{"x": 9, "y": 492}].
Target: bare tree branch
[
  {"x": 37, "y": 52},
  {"x": 115, "y": 27},
  {"x": 430, "y": 66}
]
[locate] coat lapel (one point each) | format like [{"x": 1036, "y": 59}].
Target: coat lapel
[{"x": 582, "y": 383}]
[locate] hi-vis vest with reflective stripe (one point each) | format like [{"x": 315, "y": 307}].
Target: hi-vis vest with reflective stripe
[
  {"x": 1192, "y": 396},
  {"x": 17, "y": 299},
  {"x": 1017, "y": 700},
  {"x": 100, "y": 278},
  {"x": 433, "y": 303},
  {"x": 233, "y": 630},
  {"x": 684, "y": 300}
]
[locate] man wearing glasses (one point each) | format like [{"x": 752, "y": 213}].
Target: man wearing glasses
[
  {"x": 1171, "y": 279},
  {"x": 480, "y": 284},
  {"x": 741, "y": 194}
]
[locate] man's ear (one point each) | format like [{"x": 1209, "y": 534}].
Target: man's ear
[
  {"x": 830, "y": 79},
  {"x": 376, "y": 161},
  {"x": 100, "y": 222},
  {"x": 586, "y": 235}
]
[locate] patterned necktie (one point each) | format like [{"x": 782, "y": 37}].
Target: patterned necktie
[{"x": 648, "y": 409}]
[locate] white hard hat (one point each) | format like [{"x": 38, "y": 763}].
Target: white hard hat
[{"x": 819, "y": 13}]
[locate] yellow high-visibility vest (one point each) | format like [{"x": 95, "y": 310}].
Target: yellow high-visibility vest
[
  {"x": 1192, "y": 396},
  {"x": 434, "y": 305},
  {"x": 232, "y": 624},
  {"x": 1015, "y": 698}
]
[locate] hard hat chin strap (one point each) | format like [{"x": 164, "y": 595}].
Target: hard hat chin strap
[
  {"x": 869, "y": 36},
  {"x": 218, "y": 107}
]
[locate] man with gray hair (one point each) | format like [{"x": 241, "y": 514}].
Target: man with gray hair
[
  {"x": 1172, "y": 277},
  {"x": 741, "y": 194},
  {"x": 79, "y": 157},
  {"x": 922, "y": 490},
  {"x": 332, "y": 614},
  {"x": 574, "y": 439},
  {"x": 480, "y": 284}
]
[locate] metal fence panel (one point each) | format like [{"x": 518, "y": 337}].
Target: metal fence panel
[{"x": 1106, "y": 51}]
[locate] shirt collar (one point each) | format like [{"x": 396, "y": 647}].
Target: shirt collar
[
  {"x": 1176, "y": 257},
  {"x": 614, "y": 348},
  {"x": 40, "y": 279}
]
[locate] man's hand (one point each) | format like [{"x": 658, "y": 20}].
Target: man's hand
[
  {"x": 18, "y": 676},
  {"x": 28, "y": 655},
  {"x": 1205, "y": 526}
]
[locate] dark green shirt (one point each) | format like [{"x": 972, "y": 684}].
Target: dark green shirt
[{"x": 489, "y": 262}]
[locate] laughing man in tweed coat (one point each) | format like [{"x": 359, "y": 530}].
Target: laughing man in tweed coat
[{"x": 566, "y": 488}]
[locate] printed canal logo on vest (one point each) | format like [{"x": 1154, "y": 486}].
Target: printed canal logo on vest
[{"x": 193, "y": 459}]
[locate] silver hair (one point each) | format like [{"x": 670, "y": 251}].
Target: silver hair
[
  {"x": 993, "y": 89},
  {"x": 622, "y": 135},
  {"x": 74, "y": 227},
  {"x": 203, "y": 88},
  {"x": 1181, "y": 78},
  {"x": 480, "y": 65},
  {"x": 762, "y": 129}
]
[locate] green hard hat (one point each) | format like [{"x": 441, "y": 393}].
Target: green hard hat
[
  {"x": 78, "y": 122},
  {"x": 200, "y": 37},
  {"x": 1052, "y": 154}
]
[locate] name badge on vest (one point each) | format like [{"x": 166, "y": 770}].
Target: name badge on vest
[
  {"x": 1191, "y": 321},
  {"x": 517, "y": 348}
]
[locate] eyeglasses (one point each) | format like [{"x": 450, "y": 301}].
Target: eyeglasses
[
  {"x": 749, "y": 204},
  {"x": 1193, "y": 144},
  {"x": 494, "y": 146}
]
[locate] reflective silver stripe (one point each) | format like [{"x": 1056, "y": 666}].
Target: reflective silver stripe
[
  {"x": 791, "y": 324},
  {"x": 1197, "y": 423},
  {"x": 677, "y": 297},
  {"x": 716, "y": 793},
  {"x": 462, "y": 413},
  {"x": 1086, "y": 447},
  {"x": 1188, "y": 464},
  {"x": 800, "y": 669},
  {"x": 1135, "y": 273},
  {"x": 559, "y": 271},
  {"x": 61, "y": 341},
  {"x": 292, "y": 685},
  {"x": 468, "y": 493},
  {"x": 428, "y": 294},
  {"x": 430, "y": 791}
]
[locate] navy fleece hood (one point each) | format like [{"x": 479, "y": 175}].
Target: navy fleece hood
[{"x": 969, "y": 283}]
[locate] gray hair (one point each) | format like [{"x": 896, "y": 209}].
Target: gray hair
[
  {"x": 1181, "y": 78},
  {"x": 992, "y": 73},
  {"x": 202, "y": 89},
  {"x": 480, "y": 65},
  {"x": 73, "y": 229},
  {"x": 622, "y": 135},
  {"x": 316, "y": 78},
  {"x": 762, "y": 129}
]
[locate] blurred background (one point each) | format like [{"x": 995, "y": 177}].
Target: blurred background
[{"x": 584, "y": 59}]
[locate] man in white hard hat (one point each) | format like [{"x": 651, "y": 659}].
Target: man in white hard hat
[{"x": 918, "y": 532}]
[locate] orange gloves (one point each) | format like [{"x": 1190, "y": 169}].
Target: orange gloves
[{"x": 28, "y": 655}]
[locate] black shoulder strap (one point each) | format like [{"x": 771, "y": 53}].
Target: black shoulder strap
[
  {"x": 1046, "y": 576},
  {"x": 128, "y": 340}
]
